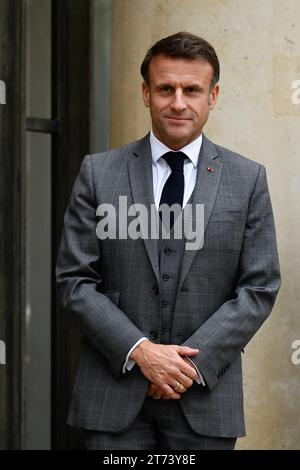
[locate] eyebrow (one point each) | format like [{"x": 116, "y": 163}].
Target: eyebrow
[
  {"x": 191, "y": 85},
  {"x": 194, "y": 85}
]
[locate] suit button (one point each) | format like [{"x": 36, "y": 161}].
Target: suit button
[
  {"x": 165, "y": 277},
  {"x": 167, "y": 251},
  {"x": 155, "y": 290},
  {"x": 152, "y": 335},
  {"x": 164, "y": 304}
]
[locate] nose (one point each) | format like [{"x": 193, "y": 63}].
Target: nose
[{"x": 178, "y": 103}]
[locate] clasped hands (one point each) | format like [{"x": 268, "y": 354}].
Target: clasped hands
[{"x": 166, "y": 368}]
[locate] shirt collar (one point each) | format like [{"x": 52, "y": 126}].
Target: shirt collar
[{"x": 192, "y": 150}]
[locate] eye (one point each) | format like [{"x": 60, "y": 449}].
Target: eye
[
  {"x": 192, "y": 90},
  {"x": 165, "y": 89}
]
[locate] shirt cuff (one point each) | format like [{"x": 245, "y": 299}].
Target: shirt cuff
[
  {"x": 129, "y": 363},
  {"x": 199, "y": 378}
]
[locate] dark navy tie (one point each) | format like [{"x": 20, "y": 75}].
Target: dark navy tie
[{"x": 173, "y": 189}]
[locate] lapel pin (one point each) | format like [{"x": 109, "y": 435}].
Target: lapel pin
[{"x": 210, "y": 169}]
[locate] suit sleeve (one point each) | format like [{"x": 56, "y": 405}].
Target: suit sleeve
[
  {"x": 224, "y": 335},
  {"x": 78, "y": 277}
]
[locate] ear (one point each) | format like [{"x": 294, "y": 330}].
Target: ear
[
  {"x": 213, "y": 95},
  {"x": 146, "y": 94}
]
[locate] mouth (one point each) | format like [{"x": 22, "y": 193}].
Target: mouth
[{"x": 178, "y": 118}]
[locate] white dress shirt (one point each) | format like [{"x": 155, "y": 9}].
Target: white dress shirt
[
  {"x": 161, "y": 170},
  {"x": 160, "y": 173}
]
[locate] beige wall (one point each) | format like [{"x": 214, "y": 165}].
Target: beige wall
[{"x": 259, "y": 50}]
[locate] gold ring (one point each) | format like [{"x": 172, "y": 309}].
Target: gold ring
[
  {"x": 156, "y": 397},
  {"x": 177, "y": 387}
]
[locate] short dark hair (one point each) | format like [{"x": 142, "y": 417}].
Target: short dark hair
[{"x": 183, "y": 45}]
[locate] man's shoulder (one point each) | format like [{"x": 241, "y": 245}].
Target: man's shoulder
[
  {"x": 116, "y": 158},
  {"x": 236, "y": 160}
]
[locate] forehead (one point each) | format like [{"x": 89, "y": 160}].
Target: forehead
[{"x": 164, "y": 68}]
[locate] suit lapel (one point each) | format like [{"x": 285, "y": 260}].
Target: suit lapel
[
  {"x": 206, "y": 187},
  {"x": 140, "y": 176}
]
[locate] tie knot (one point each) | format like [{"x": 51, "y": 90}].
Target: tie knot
[{"x": 175, "y": 160}]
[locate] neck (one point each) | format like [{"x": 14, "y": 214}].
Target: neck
[{"x": 175, "y": 145}]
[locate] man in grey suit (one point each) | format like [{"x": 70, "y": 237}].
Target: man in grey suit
[{"x": 165, "y": 325}]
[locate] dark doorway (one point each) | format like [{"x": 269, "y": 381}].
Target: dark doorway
[
  {"x": 45, "y": 63},
  {"x": 57, "y": 125}
]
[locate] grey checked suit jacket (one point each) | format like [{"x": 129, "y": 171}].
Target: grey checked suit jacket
[{"x": 225, "y": 292}]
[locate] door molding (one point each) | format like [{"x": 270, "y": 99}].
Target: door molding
[
  {"x": 12, "y": 222},
  {"x": 71, "y": 66}
]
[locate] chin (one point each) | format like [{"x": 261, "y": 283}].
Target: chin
[
  {"x": 176, "y": 142},
  {"x": 178, "y": 137}
]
